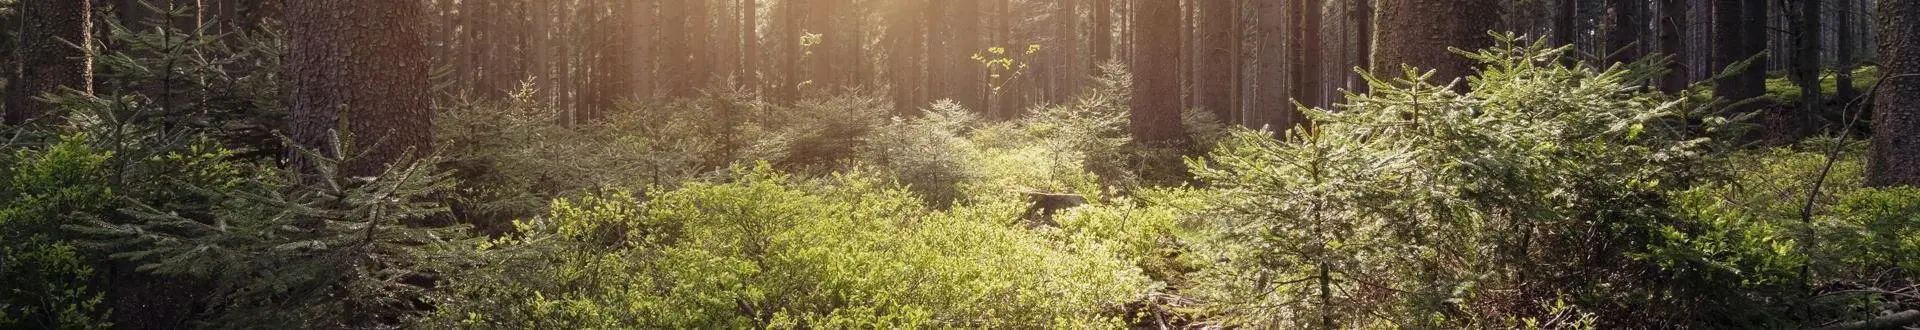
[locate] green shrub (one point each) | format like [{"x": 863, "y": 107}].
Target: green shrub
[
  {"x": 1418, "y": 206},
  {"x": 767, "y": 250},
  {"x": 45, "y": 281}
]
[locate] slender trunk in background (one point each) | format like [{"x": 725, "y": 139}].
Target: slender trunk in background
[
  {"x": 1806, "y": 69},
  {"x": 43, "y": 59},
  {"x": 1102, "y": 32},
  {"x": 1156, "y": 98},
  {"x": 1069, "y": 70},
  {"x": 963, "y": 37},
  {"x": 1629, "y": 23},
  {"x": 904, "y": 53},
  {"x": 1419, "y": 32},
  {"x": 1673, "y": 31},
  {"x": 819, "y": 57},
  {"x": 937, "y": 77},
  {"x": 749, "y": 45},
  {"x": 1005, "y": 98},
  {"x": 1213, "y": 77},
  {"x": 362, "y": 65},
  {"x": 1308, "y": 86},
  {"x": 1894, "y": 158},
  {"x": 1363, "y": 44},
  {"x": 699, "y": 52},
  {"x": 1564, "y": 12},
  {"x": 1844, "y": 56},
  {"x": 1270, "y": 106},
  {"x": 789, "y": 42},
  {"x": 1735, "y": 28}
]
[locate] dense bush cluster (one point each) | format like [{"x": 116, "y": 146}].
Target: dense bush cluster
[{"x": 1537, "y": 195}]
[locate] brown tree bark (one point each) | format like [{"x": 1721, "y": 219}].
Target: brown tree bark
[
  {"x": 749, "y": 44},
  {"x": 1564, "y": 12},
  {"x": 44, "y": 60},
  {"x": 1739, "y": 34},
  {"x": 1213, "y": 75},
  {"x": 1629, "y": 24},
  {"x": 1270, "y": 106},
  {"x": 1156, "y": 92},
  {"x": 1419, "y": 32},
  {"x": 1806, "y": 69},
  {"x": 1894, "y": 158},
  {"x": 1673, "y": 31},
  {"x": 361, "y": 65},
  {"x": 906, "y": 49},
  {"x": 1845, "y": 38},
  {"x": 1308, "y": 86},
  {"x": 1102, "y": 34}
]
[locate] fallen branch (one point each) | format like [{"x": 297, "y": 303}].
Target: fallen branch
[{"x": 1889, "y": 321}]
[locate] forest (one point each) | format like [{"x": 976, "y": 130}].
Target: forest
[{"x": 1002, "y": 164}]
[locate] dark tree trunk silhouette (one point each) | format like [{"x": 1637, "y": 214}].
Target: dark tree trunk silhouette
[
  {"x": 1156, "y": 92},
  {"x": 1629, "y": 23},
  {"x": 1102, "y": 32},
  {"x": 1805, "y": 70},
  {"x": 44, "y": 61},
  {"x": 1894, "y": 158},
  {"x": 1673, "y": 32},
  {"x": 1213, "y": 75},
  {"x": 1308, "y": 87},
  {"x": 1739, "y": 34},
  {"x": 362, "y": 65},
  {"x": 1419, "y": 32},
  {"x": 1844, "y": 64}
]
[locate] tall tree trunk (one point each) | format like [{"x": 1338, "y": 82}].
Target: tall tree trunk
[
  {"x": 1624, "y": 32},
  {"x": 904, "y": 40},
  {"x": 1102, "y": 34},
  {"x": 1308, "y": 87},
  {"x": 1806, "y": 69},
  {"x": 1363, "y": 43},
  {"x": 1894, "y": 158},
  {"x": 1270, "y": 106},
  {"x": 820, "y": 57},
  {"x": 1418, "y": 33},
  {"x": 1843, "y": 54},
  {"x": 1156, "y": 93},
  {"x": 359, "y": 64},
  {"x": 44, "y": 60},
  {"x": 1213, "y": 78},
  {"x": 749, "y": 45},
  {"x": 1068, "y": 70},
  {"x": 1739, "y": 33},
  {"x": 1564, "y": 12},
  {"x": 1673, "y": 32}
]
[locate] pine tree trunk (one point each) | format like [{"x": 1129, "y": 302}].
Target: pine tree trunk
[
  {"x": 1894, "y": 158},
  {"x": 904, "y": 44},
  {"x": 1308, "y": 87},
  {"x": 1213, "y": 76},
  {"x": 359, "y": 64},
  {"x": 1564, "y": 12},
  {"x": 44, "y": 61},
  {"x": 1673, "y": 31},
  {"x": 1156, "y": 93},
  {"x": 1624, "y": 32},
  {"x": 749, "y": 45},
  {"x": 1843, "y": 22},
  {"x": 1270, "y": 105},
  {"x": 1805, "y": 71},
  {"x": 1739, "y": 34},
  {"x": 1419, "y": 32},
  {"x": 1102, "y": 33}
]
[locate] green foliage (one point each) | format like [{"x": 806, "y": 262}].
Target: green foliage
[
  {"x": 1419, "y": 206},
  {"x": 333, "y": 252},
  {"x": 47, "y": 282},
  {"x": 767, "y": 250}
]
